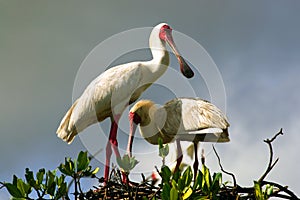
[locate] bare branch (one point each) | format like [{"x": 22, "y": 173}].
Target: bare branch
[
  {"x": 274, "y": 137},
  {"x": 2, "y": 185},
  {"x": 281, "y": 188},
  {"x": 271, "y": 163},
  {"x": 228, "y": 173}
]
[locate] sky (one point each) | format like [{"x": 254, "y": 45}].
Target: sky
[{"x": 254, "y": 44}]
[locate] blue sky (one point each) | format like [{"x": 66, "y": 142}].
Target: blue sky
[{"x": 255, "y": 45}]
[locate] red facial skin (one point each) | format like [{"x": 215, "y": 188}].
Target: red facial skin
[{"x": 165, "y": 34}]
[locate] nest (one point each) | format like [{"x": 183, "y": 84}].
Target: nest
[{"x": 115, "y": 189}]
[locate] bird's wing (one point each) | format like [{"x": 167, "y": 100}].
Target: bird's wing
[
  {"x": 171, "y": 123},
  {"x": 198, "y": 114},
  {"x": 193, "y": 119},
  {"x": 112, "y": 89}
]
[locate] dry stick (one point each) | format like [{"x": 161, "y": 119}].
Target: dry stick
[
  {"x": 228, "y": 173},
  {"x": 282, "y": 188},
  {"x": 2, "y": 185},
  {"x": 271, "y": 163},
  {"x": 143, "y": 183},
  {"x": 157, "y": 170},
  {"x": 154, "y": 194}
]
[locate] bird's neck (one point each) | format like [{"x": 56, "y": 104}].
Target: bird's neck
[
  {"x": 159, "y": 52},
  {"x": 156, "y": 67},
  {"x": 160, "y": 56}
]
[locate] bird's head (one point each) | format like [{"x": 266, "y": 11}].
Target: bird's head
[
  {"x": 164, "y": 32},
  {"x": 140, "y": 112}
]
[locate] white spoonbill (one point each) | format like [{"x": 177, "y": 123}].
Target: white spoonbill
[
  {"x": 181, "y": 119},
  {"x": 110, "y": 93}
]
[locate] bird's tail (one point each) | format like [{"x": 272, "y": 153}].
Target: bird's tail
[
  {"x": 63, "y": 130},
  {"x": 206, "y": 135},
  {"x": 224, "y": 136},
  {"x": 219, "y": 137}
]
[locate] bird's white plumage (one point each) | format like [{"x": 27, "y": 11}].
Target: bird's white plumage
[
  {"x": 105, "y": 92},
  {"x": 110, "y": 93},
  {"x": 181, "y": 119},
  {"x": 198, "y": 114},
  {"x": 187, "y": 119}
]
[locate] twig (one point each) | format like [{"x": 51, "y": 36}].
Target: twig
[
  {"x": 281, "y": 188},
  {"x": 157, "y": 170},
  {"x": 76, "y": 183},
  {"x": 2, "y": 185},
  {"x": 202, "y": 156},
  {"x": 228, "y": 173},
  {"x": 271, "y": 163},
  {"x": 143, "y": 177}
]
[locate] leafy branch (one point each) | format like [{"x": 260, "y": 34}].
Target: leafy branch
[
  {"x": 50, "y": 185},
  {"x": 262, "y": 189},
  {"x": 178, "y": 185}
]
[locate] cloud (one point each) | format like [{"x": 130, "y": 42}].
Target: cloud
[{"x": 254, "y": 44}]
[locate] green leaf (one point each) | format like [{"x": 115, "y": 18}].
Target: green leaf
[
  {"x": 82, "y": 161},
  {"x": 40, "y": 176},
  {"x": 95, "y": 171},
  {"x": 70, "y": 166},
  {"x": 50, "y": 183},
  {"x": 269, "y": 189},
  {"x": 166, "y": 149},
  {"x": 24, "y": 188},
  {"x": 173, "y": 194},
  {"x": 13, "y": 190},
  {"x": 163, "y": 149},
  {"x": 62, "y": 169},
  {"x": 176, "y": 175},
  {"x": 165, "y": 174},
  {"x": 207, "y": 178},
  {"x": 133, "y": 162},
  {"x": 187, "y": 176},
  {"x": 67, "y": 168},
  {"x": 201, "y": 198},
  {"x": 127, "y": 163},
  {"x": 61, "y": 191},
  {"x": 14, "y": 198},
  {"x": 198, "y": 181},
  {"x": 216, "y": 183},
  {"x": 15, "y": 180},
  {"x": 257, "y": 191},
  {"x": 187, "y": 194},
  {"x": 29, "y": 177},
  {"x": 181, "y": 185},
  {"x": 160, "y": 143},
  {"x": 59, "y": 180},
  {"x": 174, "y": 184},
  {"x": 165, "y": 194}
]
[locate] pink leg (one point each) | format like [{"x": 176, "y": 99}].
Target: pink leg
[
  {"x": 196, "y": 163},
  {"x": 112, "y": 143},
  {"x": 179, "y": 155},
  {"x": 107, "y": 161}
]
